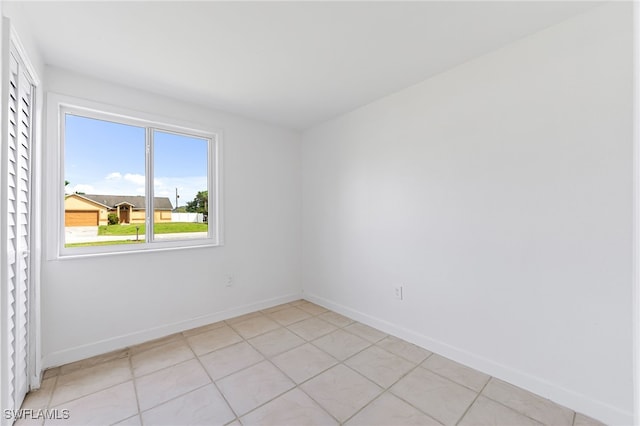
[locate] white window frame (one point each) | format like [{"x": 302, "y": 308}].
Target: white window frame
[{"x": 57, "y": 106}]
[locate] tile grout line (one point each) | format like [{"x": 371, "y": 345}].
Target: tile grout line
[
  {"x": 53, "y": 389},
  {"x": 265, "y": 358},
  {"x": 171, "y": 399},
  {"x": 472, "y": 402},
  {"x": 451, "y": 380},
  {"x": 224, "y": 398},
  {"x": 50, "y": 398},
  {"x": 184, "y": 361},
  {"x": 317, "y": 403},
  {"x": 513, "y": 409},
  {"x": 388, "y": 390},
  {"x": 166, "y": 368},
  {"x": 135, "y": 388},
  {"x": 277, "y": 353},
  {"x": 89, "y": 394},
  {"x": 299, "y": 386},
  {"x": 384, "y": 390}
]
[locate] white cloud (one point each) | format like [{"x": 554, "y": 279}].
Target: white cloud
[
  {"x": 111, "y": 185},
  {"x": 135, "y": 178},
  {"x": 114, "y": 176}
]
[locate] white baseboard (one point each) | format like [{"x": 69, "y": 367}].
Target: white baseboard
[
  {"x": 576, "y": 401},
  {"x": 120, "y": 342}
]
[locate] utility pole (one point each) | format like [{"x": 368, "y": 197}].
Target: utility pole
[{"x": 177, "y": 196}]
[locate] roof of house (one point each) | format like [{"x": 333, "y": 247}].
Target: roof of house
[{"x": 137, "y": 201}]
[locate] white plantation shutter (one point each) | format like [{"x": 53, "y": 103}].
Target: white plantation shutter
[
  {"x": 23, "y": 227},
  {"x": 20, "y": 92},
  {"x": 11, "y": 223}
]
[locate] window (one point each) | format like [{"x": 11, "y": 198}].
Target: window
[{"x": 133, "y": 183}]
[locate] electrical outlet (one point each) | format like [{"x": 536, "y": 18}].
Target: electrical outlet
[
  {"x": 229, "y": 281},
  {"x": 397, "y": 292}
]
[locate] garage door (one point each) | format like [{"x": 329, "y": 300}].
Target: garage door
[{"x": 80, "y": 218}]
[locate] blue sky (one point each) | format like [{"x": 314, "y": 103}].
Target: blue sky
[{"x": 103, "y": 157}]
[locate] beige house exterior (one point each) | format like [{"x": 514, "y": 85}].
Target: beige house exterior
[{"x": 93, "y": 210}]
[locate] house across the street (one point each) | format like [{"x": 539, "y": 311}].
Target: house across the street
[{"x": 93, "y": 210}]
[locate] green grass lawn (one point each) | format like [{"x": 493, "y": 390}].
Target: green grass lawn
[{"x": 158, "y": 228}]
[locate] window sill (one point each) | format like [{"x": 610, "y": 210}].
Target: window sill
[{"x": 81, "y": 252}]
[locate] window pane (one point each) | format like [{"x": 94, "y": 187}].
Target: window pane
[
  {"x": 104, "y": 182},
  {"x": 180, "y": 168}
]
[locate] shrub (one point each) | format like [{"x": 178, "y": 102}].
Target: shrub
[{"x": 112, "y": 218}]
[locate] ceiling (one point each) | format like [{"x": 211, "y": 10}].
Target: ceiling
[{"x": 294, "y": 64}]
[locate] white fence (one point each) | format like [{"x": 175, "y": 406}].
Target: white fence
[{"x": 187, "y": 217}]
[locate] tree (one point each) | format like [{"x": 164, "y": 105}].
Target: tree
[{"x": 200, "y": 203}]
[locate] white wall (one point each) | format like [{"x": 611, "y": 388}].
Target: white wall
[
  {"x": 14, "y": 10},
  {"x": 93, "y": 305},
  {"x": 499, "y": 194}
]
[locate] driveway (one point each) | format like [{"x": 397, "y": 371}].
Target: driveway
[{"x": 80, "y": 234}]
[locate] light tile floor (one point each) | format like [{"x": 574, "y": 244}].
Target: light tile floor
[{"x": 293, "y": 364}]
